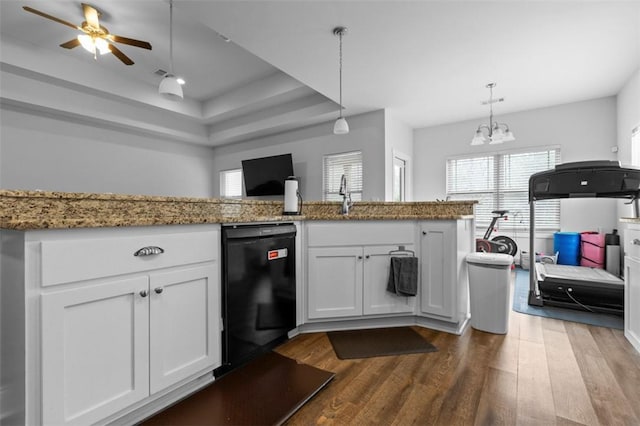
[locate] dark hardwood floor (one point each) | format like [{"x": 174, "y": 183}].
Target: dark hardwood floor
[{"x": 542, "y": 372}]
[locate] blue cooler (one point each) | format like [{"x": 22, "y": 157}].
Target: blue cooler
[{"x": 567, "y": 245}]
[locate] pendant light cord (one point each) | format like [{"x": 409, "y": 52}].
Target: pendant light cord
[
  {"x": 490, "y": 110},
  {"x": 171, "y": 36},
  {"x": 340, "y": 74}
]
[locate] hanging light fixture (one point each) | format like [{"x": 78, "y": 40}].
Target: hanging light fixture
[
  {"x": 170, "y": 88},
  {"x": 93, "y": 44},
  {"x": 341, "y": 127},
  {"x": 493, "y": 132}
]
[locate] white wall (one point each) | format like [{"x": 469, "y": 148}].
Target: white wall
[
  {"x": 628, "y": 107},
  {"x": 309, "y": 145},
  {"x": 398, "y": 141},
  {"x": 50, "y": 152},
  {"x": 583, "y": 131}
]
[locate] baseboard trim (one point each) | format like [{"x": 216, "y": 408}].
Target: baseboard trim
[
  {"x": 633, "y": 339},
  {"x": 354, "y": 324},
  {"x": 148, "y": 407}
]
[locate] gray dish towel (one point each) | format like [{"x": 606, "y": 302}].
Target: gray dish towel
[{"x": 403, "y": 276}]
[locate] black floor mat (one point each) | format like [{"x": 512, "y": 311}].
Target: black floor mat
[
  {"x": 378, "y": 342},
  {"x": 266, "y": 391}
]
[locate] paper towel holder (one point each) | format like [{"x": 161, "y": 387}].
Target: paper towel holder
[{"x": 292, "y": 197}]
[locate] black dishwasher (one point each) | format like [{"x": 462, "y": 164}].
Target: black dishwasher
[{"x": 258, "y": 291}]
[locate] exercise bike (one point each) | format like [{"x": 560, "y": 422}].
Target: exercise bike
[{"x": 497, "y": 244}]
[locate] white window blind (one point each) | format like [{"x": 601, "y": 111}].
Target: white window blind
[
  {"x": 231, "y": 183},
  {"x": 336, "y": 165},
  {"x": 501, "y": 182}
]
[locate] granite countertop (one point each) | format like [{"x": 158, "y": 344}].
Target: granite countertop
[
  {"x": 23, "y": 210},
  {"x": 630, "y": 219}
]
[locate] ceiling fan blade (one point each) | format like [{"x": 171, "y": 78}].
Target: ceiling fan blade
[
  {"x": 53, "y": 18},
  {"x": 71, "y": 44},
  {"x": 129, "y": 41},
  {"x": 91, "y": 15},
  {"x": 124, "y": 58}
]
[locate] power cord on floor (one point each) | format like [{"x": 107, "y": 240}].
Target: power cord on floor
[{"x": 568, "y": 291}]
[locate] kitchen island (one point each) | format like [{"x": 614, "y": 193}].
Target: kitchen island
[
  {"x": 98, "y": 290},
  {"x": 24, "y": 210}
]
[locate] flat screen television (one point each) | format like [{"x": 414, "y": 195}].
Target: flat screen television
[{"x": 266, "y": 175}]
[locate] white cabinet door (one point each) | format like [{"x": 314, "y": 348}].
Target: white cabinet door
[
  {"x": 632, "y": 301},
  {"x": 377, "y": 300},
  {"x": 438, "y": 269},
  {"x": 95, "y": 350},
  {"x": 334, "y": 282},
  {"x": 184, "y": 324}
]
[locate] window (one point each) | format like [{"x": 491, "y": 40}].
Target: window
[
  {"x": 501, "y": 182},
  {"x": 231, "y": 183},
  {"x": 399, "y": 181},
  {"x": 336, "y": 165}
]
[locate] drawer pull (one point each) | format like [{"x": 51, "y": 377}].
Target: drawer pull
[
  {"x": 158, "y": 290},
  {"x": 636, "y": 242},
  {"x": 143, "y": 293},
  {"x": 149, "y": 251}
]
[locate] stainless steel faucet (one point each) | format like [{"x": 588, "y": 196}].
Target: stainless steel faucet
[{"x": 346, "y": 196}]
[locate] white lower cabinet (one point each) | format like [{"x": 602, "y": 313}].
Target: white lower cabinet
[
  {"x": 348, "y": 268},
  {"x": 632, "y": 301},
  {"x": 632, "y": 284},
  {"x": 107, "y": 346},
  {"x": 352, "y": 281},
  {"x": 335, "y": 282},
  {"x": 443, "y": 277},
  {"x": 377, "y": 300},
  {"x": 95, "y": 351},
  {"x": 136, "y": 322},
  {"x": 184, "y": 325}
]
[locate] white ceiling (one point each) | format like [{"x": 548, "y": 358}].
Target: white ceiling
[{"x": 427, "y": 62}]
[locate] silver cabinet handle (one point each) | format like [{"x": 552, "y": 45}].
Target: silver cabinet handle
[
  {"x": 148, "y": 251},
  {"x": 158, "y": 290},
  {"x": 143, "y": 293},
  {"x": 636, "y": 242}
]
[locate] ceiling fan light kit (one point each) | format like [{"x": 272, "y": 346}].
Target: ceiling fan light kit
[
  {"x": 341, "y": 127},
  {"x": 494, "y": 132},
  {"x": 91, "y": 44},
  {"x": 95, "y": 37},
  {"x": 170, "y": 87}
]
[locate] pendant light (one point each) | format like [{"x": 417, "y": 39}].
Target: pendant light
[
  {"x": 493, "y": 132},
  {"x": 170, "y": 88},
  {"x": 341, "y": 127}
]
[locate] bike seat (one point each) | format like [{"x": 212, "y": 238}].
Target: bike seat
[{"x": 500, "y": 212}]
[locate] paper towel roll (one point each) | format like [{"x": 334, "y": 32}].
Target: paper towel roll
[
  {"x": 613, "y": 260},
  {"x": 291, "y": 195}
]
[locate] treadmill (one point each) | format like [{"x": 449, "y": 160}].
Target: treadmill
[{"x": 579, "y": 287}]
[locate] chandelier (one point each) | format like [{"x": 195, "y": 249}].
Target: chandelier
[{"x": 493, "y": 132}]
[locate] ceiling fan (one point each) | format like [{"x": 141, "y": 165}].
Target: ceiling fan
[{"x": 95, "y": 37}]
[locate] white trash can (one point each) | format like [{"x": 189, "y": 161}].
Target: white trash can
[{"x": 489, "y": 275}]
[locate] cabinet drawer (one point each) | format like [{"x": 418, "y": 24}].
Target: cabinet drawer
[
  {"x": 632, "y": 243},
  {"x": 86, "y": 258},
  {"x": 349, "y": 233}
]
